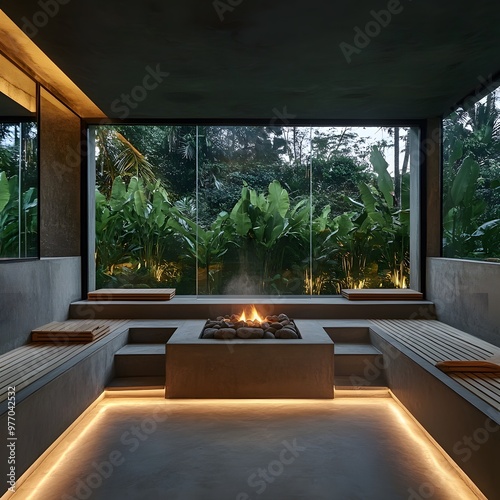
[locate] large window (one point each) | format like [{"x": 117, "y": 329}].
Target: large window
[
  {"x": 258, "y": 210},
  {"x": 471, "y": 181}
]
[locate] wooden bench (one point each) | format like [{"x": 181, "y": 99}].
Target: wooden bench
[
  {"x": 461, "y": 411},
  {"x": 54, "y": 383},
  {"x": 434, "y": 341},
  {"x": 25, "y": 365}
]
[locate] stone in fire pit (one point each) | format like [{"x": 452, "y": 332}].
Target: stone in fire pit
[{"x": 238, "y": 327}]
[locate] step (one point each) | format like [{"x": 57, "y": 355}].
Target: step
[
  {"x": 150, "y": 335},
  {"x": 140, "y": 360},
  {"x": 355, "y": 349},
  {"x": 377, "y": 392},
  {"x": 359, "y": 362},
  {"x": 123, "y": 383},
  {"x": 359, "y": 383},
  {"x": 136, "y": 387},
  {"x": 349, "y": 334}
]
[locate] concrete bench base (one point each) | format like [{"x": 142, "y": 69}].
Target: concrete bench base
[
  {"x": 205, "y": 368},
  {"x": 464, "y": 425}
]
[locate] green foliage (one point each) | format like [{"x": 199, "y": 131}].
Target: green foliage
[
  {"x": 471, "y": 179},
  {"x": 132, "y": 233},
  {"x": 369, "y": 246},
  {"x": 253, "y": 220},
  {"x": 205, "y": 247},
  {"x": 384, "y": 180},
  {"x": 18, "y": 235},
  {"x": 4, "y": 191},
  {"x": 273, "y": 237}
]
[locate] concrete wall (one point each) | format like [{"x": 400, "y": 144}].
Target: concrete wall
[
  {"x": 33, "y": 293},
  {"x": 60, "y": 179},
  {"x": 467, "y": 295}
]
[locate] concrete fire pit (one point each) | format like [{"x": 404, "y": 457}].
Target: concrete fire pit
[
  {"x": 235, "y": 326},
  {"x": 249, "y": 368}
]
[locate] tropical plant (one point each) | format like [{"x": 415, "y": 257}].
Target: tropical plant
[
  {"x": 374, "y": 238},
  {"x": 132, "y": 230},
  {"x": 205, "y": 247},
  {"x": 118, "y": 157},
  {"x": 18, "y": 219},
  {"x": 471, "y": 180},
  {"x": 274, "y": 236}
]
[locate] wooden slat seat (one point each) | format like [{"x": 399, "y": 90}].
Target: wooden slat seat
[
  {"x": 434, "y": 341},
  {"x": 24, "y": 365}
]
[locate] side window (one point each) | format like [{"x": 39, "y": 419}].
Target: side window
[
  {"x": 18, "y": 164},
  {"x": 471, "y": 181}
]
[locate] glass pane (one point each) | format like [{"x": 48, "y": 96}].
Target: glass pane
[
  {"x": 18, "y": 190},
  {"x": 254, "y": 233},
  {"x": 471, "y": 181},
  {"x": 18, "y": 164},
  {"x": 145, "y": 200},
  {"x": 361, "y": 217}
]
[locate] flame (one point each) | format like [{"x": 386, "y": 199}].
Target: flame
[{"x": 253, "y": 315}]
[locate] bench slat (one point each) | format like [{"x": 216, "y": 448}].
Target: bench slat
[
  {"x": 435, "y": 345},
  {"x": 31, "y": 360},
  {"x": 24, "y": 375},
  {"x": 431, "y": 353},
  {"x": 12, "y": 358},
  {"x": 470, "y": 382},
  {"x": 492, "y": 379}
]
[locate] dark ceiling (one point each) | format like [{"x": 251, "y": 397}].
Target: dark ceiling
[
  {"x": 270, "y": 59},
  {"x": 9, "y": 108}
]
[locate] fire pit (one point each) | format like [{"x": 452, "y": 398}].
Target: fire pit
[
  {"x": 250, "y": 356},
  {"x": 240, "y": 326}
]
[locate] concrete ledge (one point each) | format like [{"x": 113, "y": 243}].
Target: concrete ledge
[
  {"x": 205, "y": 368},
  {"x": 193, "y": 307}
]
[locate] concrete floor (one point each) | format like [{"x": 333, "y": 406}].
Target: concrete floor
[{"x": 152, "y": 448}]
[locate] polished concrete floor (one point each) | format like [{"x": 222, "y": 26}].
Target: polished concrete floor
[{"x": 152, "y": 448}]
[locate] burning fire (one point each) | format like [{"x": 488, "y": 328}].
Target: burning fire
[{"x": 253, "y": 315}]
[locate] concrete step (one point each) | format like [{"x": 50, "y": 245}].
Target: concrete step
[
  {"x": 349, "y": 334},
  {"x": 360, "y": 383},
  {"x": 355, "y": 349},
  {"x": 140, "y": 360},
  {"x": 142, "y": 387},
  {"x": 359, "y": 362},
  {"x": 297, "y": 308},
  {"x": 376, "y": 392},
  {"x": 150, "y": 335}
]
